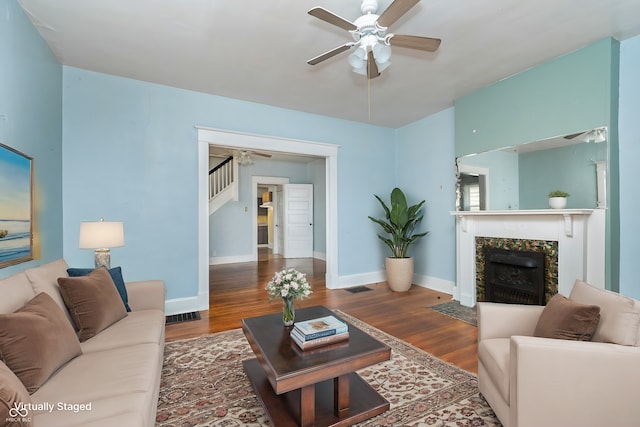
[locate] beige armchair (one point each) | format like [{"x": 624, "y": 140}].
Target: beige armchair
[{"x": 544, "y": 382}]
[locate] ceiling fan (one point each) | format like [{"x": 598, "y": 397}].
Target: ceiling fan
[
  {"x": 372, "y": 42},
  {"x": 244, "y": 156},
  {"x": 594, "y": 135}
]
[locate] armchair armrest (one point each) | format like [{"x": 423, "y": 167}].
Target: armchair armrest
[
  {"x": 146, "y": 295},
  {"x": 497, "y": 320},
  {"x": 561, "y": 383}
]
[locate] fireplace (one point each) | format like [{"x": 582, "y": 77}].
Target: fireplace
[
  {"x": 514, "y": 261},
  {"x": 513, "y": 276},
  {"x": 561, "y": 234}
]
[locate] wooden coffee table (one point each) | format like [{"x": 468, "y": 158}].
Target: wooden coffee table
[{"x": 317, "y": 387}]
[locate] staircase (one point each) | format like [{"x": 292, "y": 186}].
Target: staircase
[{"x": 223, "y": 184}]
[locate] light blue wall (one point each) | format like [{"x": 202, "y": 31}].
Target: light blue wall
[
  {"x": 503, "y": 177},
  {"x": 130, "y": 154},
  {"x": 425, "y": 170},
  {"x": 569, "y": 94},
  {"x": 317, "y": 176},
  {"x": 629, "y": 170},
  {"x": 31, "y": 122},
  {"x": 571, "y": 169}
]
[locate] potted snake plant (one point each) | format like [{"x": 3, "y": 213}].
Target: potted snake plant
[{"x": 398, "y": 225}]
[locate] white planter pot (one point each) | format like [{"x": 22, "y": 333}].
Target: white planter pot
[
  {"x": 557, "y": 202},
  {"x": 399, "y": 273}
]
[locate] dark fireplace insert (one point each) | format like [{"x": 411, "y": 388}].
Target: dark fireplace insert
[{"x": 513, "y": 276}]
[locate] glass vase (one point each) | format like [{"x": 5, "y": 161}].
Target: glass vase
[{"x": 288, "y": 311}]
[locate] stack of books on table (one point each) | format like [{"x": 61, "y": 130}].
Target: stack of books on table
[{"x": 321, "y": 331}]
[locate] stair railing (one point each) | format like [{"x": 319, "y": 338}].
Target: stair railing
[{"x": 221, "y": 177}]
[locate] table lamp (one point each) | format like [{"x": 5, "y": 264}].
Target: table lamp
[{"x": 101, "y": 236}]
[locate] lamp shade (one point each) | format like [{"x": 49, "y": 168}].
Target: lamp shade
[{"x": 101, "y": 234}]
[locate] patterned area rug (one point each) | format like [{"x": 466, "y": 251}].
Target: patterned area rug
[
  {"x": 457, "y": 311},
  {"x": 203, "y": 384}
]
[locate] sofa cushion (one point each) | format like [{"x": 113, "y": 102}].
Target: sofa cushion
[
  {"x": 125, "y": 410},
  {"x": 45, "y": 279},
  {"x": 568, "y": 320},
  {"x": 619, "y": 315},
  {"x": 139, "y": 327},
  {"x": 116, "y": 276},
  {"x": 16, "y": 291},
  {"x": 494, "y": 353},
  {"x": 12, "y": 393},
  {"x": 93, "y": 302},
  {"x": 36, "y": 340},
  {"x": 105, "y": 374}
]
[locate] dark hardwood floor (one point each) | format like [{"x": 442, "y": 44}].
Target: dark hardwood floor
[{"x": 238, "y": 291}]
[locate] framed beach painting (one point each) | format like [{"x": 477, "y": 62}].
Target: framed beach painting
[{"x": 16, "y": 207}]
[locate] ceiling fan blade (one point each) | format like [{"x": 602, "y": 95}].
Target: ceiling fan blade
[
  {"x": 257, "y": 153},
  {"x": 395, "y": 11},
  {"x": 573, "y": 135},
  {"x": 372, "y": 67},
  {"x": 332, "y": 18},
  {"x": 427, "y": 44},
  {"x": 329, "y": 54}
]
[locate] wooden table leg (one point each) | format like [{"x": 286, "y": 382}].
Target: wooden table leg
[
  {"x": 341, "y": 395},
  {"x": 308, "y": 405}
]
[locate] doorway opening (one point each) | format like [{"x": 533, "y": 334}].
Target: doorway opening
[
  {"x": 238, "y": 140},
  {"x": 472, "y": 188}
]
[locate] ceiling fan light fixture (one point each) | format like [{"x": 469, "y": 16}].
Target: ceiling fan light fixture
[
  {"x": 244, "y": 159},
  {"x": 357, "y": 58},
  {"x": 361, "y": 70},
  {"x": 382, "y": 53}
]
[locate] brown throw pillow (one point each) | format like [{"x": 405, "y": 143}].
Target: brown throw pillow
[
  {"x": 567, "y": 320},
  {"x": 93, "y": 301},
  {"x": 12, "y": 396},
  {"x": 36, "y": 340}
]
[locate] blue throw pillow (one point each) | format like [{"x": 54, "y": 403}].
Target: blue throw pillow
[{"x": 116, "y": 276}]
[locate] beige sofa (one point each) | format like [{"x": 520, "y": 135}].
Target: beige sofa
[
  {"x": 531, "y": 381},
  {"x": 115, "y": 380}
]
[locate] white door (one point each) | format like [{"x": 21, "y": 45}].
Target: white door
[
  {"x": 298, "y": 220},
  {"x": 278, "y": 209}
]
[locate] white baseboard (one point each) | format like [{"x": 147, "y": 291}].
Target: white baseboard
[
  {"x": 361, "y": 279},
  {"x": 201, "y": 302},
  {"x": 186, "y": 305},
  {"x": 320, "y": 255},
  {"x": 230, "y": 259},
  {"x": 435, "y": 283}
]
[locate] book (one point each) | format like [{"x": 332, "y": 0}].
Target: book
[
  {"x": 320, "y": 327},
  {"x": 318, "y": 342}
]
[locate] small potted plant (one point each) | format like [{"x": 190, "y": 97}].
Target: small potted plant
[
  {"x": 558, "y": 199},
  {"x": 399, "y": 223}
]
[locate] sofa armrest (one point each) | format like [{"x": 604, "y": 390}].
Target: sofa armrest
[
  {"x": 146, "y": 295},
  {"x": 496, "y": 320},
  {"x": 560, "y": 383}
]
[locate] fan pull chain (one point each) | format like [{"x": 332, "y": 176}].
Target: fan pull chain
[{"x": 369, "y": 96}]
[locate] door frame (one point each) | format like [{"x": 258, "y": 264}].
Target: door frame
[
  {"x": 263, "y": 180},
  {"x": 211, "y": 136}
]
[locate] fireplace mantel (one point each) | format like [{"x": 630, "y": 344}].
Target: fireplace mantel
[
  {"x": 580, "y": 234},
  {"x": 567, "y": 215}
]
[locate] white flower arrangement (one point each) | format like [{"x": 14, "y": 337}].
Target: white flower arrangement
[{"x": 289, "y": 283}]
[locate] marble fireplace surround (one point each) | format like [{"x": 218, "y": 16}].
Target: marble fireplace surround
[{"x": 580, "y": 234}]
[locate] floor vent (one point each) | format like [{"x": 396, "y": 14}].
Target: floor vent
[
  {"x": 183, "y": 317},
  {"x": 358, "y": 289}
]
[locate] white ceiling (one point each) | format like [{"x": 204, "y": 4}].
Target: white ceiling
[{"x": 256, "y": 50}]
